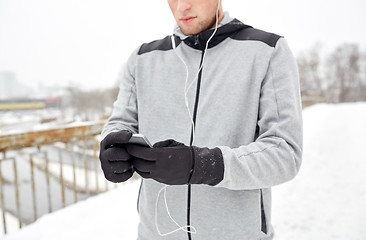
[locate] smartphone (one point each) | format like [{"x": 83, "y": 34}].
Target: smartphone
[{"x": 140, "y": 139}]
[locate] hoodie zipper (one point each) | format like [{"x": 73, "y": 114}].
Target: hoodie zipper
[{"x": 197, "y": 41}]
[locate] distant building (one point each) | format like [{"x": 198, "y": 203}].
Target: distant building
[
  {"x": 7, "y": 84},
  {"x": 10, "y": 87}
]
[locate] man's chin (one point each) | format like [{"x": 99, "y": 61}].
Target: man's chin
[{"x": 188, "y": 32}]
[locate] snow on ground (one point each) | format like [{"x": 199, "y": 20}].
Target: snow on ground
[
  {"x": 110, "y": 215},
  {"x": 12, "y": 223},
  {"x": 16, "y": 121},
  {"x": 327, "y": 200}
]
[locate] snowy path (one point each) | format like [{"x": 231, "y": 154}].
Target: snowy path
[
  {"x": 327, "y": 200},
  {"x": 110, "y": 215}
]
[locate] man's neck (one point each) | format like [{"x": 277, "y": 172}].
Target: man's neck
[{"x": 220, "y": 17}]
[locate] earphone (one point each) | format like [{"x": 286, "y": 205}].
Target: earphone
[{"x": 186, "y": 89}]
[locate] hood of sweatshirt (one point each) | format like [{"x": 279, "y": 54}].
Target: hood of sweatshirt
[{"x": 226, "y": 28}]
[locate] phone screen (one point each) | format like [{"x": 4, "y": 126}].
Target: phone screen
[{"x": 140, "y": 139}]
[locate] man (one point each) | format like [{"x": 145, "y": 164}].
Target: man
[{"x": 223, "y": 109}]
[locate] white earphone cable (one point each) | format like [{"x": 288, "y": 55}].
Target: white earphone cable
[
  {"x": 186, "y": 89},
  {"x": 183, "y": 228}
]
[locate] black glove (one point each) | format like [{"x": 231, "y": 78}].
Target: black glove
[
  {"x": 115, "y": 161},
  {"x": 174, "y": 163}
]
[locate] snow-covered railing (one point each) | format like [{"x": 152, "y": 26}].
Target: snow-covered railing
[
  {"x": 44, "y": 170},
  {"x": 65, "y": 133}
]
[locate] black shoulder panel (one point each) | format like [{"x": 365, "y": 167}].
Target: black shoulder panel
[
  {"x": 256, "y": 35},
  {"x": 162, "y": 45}
]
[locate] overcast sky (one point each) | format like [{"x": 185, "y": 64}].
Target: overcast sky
[{"x": 86, "y": 42}]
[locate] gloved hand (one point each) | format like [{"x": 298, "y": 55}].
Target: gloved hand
[
  {"x": 115, "y": 161},
  {"x": 174, "y": 163}
]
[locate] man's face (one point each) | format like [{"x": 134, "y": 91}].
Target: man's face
[{"x": 195, "y": 16}]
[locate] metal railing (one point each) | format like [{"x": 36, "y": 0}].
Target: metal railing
[{"x": 42, "y": 171}]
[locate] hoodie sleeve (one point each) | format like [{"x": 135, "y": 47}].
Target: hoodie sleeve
[
  {"x": 124, "y": 114},
  {"x": 275, "y": 156}
]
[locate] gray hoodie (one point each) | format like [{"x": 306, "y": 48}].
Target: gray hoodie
[{"x": 246, "y": 102}]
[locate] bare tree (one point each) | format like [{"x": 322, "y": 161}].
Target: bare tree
[
  {"x": 343, "y": 72},
  {"x": 313, "y": 87},
  {"x": 89, "y": 105},
  {"x": 363, "y": 76},
  {"x": 310, "y": 71}
]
